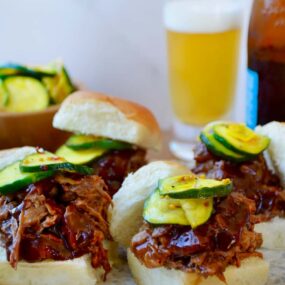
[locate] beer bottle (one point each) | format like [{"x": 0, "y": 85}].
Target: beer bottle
[{"x": 266, "y": 62}]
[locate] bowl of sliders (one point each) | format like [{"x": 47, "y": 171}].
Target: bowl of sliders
[{"x": 29, "y": 98}]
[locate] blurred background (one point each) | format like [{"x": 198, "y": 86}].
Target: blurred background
[{"x": 112, "y": 46}]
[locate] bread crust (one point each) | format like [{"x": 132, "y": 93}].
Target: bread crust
[{"x": 139, "y": 116}]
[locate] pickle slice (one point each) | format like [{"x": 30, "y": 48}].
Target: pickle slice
[
  {"x": 78, "y": 142},
  {"x": 79, "y": 156},
  {"x": 13, "y": 69},
  {"x": 240, "y": 138},
  {"x": 218, "y": 149},
  {"x": 60, "y": 85},
  {"x": 25, "y": 94},
  {"x": 164, "y": 210},
  {"x": 46, "y": 161},
  {"x": 197, "y": 211},
  {"x": 12, "y": 179},
  {"x": 190, "y": 186}
]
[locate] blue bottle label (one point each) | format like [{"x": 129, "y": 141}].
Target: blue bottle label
[{"x": 252, "y": 98}]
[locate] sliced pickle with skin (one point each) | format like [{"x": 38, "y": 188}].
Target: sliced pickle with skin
[
  {"x": 79, "y": 157},
  {"x": 46, "y": 161},
  {"x": 240, "y": 138},
  {"x": 190, "y": 186},
  {"x": 79, "y": 142},
  {"x": 14, "y": 69},
  {"x": 220, "y": 150},
  {"x": 60, "y": 85},
  {"x": 25, "y": 94},
  {"x": 197, "y": 211},
  {"x": 188, "y": 212},
  {"x": 163, "y": 210},
  {"x": 13, "y": 179}
]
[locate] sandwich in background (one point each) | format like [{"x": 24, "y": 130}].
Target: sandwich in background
[
  {"x": 111, "y": 135},
  {"x": 231, "y": 150}
]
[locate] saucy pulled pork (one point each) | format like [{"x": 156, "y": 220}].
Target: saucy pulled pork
[
  {"x": 228, "y": 236},
  {"x": 59, "y": 218},
  {"x": 226, "y": 239},
  {"x": 251, "y": 178},
  {"x": 114, "y": 166}
]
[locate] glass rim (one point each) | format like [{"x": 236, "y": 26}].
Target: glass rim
[{"x": 196, "y": 16}]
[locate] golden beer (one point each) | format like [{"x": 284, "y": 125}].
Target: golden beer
[{"x": 203, "y": 54}]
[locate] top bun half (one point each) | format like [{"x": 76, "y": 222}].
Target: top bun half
[{"x": 90, "y": 113}]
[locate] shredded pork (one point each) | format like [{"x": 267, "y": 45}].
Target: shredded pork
[
  {"x": 226, "y": 239},
  {"x": 59, "y": 218},
  {"x": 251, "y": 178},
  {"x": 114, "y": 166},
  {"x": 228, "y": 236}
]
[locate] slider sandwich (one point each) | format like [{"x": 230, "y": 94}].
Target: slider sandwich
[
  {"x": 53, "y": 220},
  {"x": 233, "y": 151},
  {"x": 183, "y": 229},
  {"x": 111, "y": 135}
]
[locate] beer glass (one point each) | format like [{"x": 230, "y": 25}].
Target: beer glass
[{"x": 203, "y": 52}]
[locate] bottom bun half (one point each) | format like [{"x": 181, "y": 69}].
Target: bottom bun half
[
  {"x": 72, "y": 272},
  {"x": 78, "y": 271},
  {"x": 253, "y": 271}
]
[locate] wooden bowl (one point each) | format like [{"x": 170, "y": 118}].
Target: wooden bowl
[{"x": 31, "y": 128}]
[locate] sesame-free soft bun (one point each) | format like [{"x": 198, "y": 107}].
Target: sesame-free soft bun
[
  {"x": 276, "y": 133},
  {"x": 92, "y": 113},
  {"x": 273, "y": 232},
  {"x": 125, "y": 216}
]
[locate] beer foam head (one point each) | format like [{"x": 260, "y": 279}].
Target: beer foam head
[{"x": 203, "y": 16}]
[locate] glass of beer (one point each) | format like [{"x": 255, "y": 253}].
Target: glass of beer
[{"x": 203, "y": 54}]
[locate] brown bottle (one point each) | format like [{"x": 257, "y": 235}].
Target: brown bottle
[{"x": 266, "y": 62}]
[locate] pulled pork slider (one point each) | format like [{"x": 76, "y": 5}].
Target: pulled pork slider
[
  {"x": 183, "y": 229},
  {"x": 112, "y": 135},
  {"x": 53, "y": 220},
  {"x": 253, "y": 160}
]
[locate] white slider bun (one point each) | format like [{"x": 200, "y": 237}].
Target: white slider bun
[
  {"x": 126, "y": 220},
  {"x": 77, "y": 271},
  {"x": 273, "y": 232},
  {"x": 276, "y": 132},
  {"x": 91, "y": 113},
  {"x": 72, "y": 272},
  {"x": 126, "y": 215}
]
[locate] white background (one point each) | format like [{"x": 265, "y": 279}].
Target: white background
[{"x": 113, "y": 46}]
